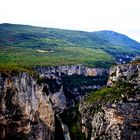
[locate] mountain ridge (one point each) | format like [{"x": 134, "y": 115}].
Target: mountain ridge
[
  {"x": 98, "y": 49},
  {"x": 105, "y": 30},
  {"x": 112, "y": 34}
]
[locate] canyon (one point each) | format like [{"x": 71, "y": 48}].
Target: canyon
[
  {"x": 66, "y": 85},
  {"x": 29, "y": 104}
]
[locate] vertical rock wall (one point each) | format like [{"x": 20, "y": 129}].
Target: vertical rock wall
[{"x": 25, "y": 111}]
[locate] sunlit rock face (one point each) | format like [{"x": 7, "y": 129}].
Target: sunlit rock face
[
  {"x": 25, "y": 110},
  {"x": 114, "y": 120}
]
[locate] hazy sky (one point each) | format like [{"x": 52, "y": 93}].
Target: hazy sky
[{"x": 89, "y": 15}]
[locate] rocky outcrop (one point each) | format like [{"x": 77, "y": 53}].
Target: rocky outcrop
[
  {"x": 120, "y": 120},
  {"x": 117, "y": 119},
  {"x": 62, "y": 90},
  {"x": 129, "y": 72},
  {"x": 25, "y": 110}
]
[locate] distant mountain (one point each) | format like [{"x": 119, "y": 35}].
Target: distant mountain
[
  {"x": 68, "y": 46},
  {"x": 117, "y": 39}
]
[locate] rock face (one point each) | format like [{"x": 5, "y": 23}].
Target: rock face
[
  {"x": 57, "y": 83},
  {"x": 119, "y": 119},
  {"x": 129, "y": 72},
  {"x": 25, "y": 110},
  {"x": 70, "y": 70}
]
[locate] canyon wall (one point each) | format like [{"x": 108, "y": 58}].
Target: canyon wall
[
  {"x": 25, "y": 111},
  {"x": 114, "y": 118},
  {"x": 59, "y": 71}
]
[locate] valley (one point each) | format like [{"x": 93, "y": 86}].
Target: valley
[{"x": 65, "y": 84}]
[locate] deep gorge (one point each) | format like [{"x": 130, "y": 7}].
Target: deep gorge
[{"x": 29, "y": 107}]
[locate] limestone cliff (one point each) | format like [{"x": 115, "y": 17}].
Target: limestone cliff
[
  {"x": 113, "y": 113},
  {"x": 70, "y": 70},
  {"x": 25, "y": 110}
]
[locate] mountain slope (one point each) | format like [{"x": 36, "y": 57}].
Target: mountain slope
[
  {"x": 49, "y": 46},
  {"x": 16, "y": 33},
  {"x": 117, "y": 39}
]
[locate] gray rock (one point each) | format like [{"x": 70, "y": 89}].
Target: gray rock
[{"x": 25, "y": 111}]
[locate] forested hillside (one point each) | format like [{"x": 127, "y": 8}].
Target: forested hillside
[{"x": 27, "y": 46}]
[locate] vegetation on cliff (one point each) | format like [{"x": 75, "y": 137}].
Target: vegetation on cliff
[
  {"x": 113, "y": 93},
  {"x": 9, "y": 70}
]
